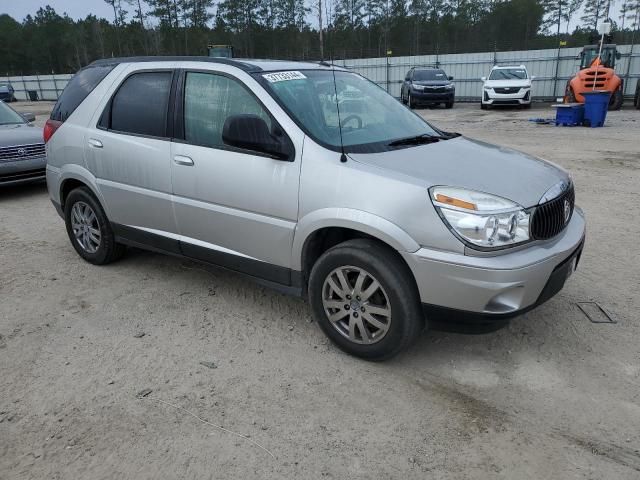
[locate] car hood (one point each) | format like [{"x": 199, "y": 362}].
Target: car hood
[
  {"x": 20, "y": 134},
  {"x": 508, "y": 83},
  {"x": 466, "y": 163}
]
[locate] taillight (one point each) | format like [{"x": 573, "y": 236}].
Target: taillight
[{"x": 50, "y": 128}]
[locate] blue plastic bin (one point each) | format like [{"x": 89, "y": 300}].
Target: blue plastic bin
[
  {"x": 569, "y": 114},
  {"x": 595, "y": 107}
]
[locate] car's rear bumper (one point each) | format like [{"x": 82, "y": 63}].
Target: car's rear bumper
[
  {"x": 498, "y": 286},
  {"x": 22, "y": 171}
]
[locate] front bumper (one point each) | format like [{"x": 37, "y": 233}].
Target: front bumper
[
  {"x": 426, "y": 96},
  {"x": 522, "y": 97},
  {"x": 500, "y": 286},
  {"x": 22, "y": 171}
]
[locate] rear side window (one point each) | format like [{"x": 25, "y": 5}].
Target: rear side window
[
  {"x": 78, "y": 88},
  {"x": 140, "y": 105}
]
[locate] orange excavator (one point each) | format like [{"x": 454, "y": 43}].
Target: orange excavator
[{"x": 597, "y": 72}]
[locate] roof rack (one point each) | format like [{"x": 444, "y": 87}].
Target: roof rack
[{"x": 247, "y": 67}]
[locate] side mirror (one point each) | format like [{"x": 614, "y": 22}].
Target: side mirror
[
  {"x": 29, "y": 117},
  {"x": 484, "y": 79},
  {"x": 450, "y": 78},
  {"x": 618, "y": 55},
  {"x": 252, "y": 133}
]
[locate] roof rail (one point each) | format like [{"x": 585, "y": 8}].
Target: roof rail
[{"x": 247, "y": 67}]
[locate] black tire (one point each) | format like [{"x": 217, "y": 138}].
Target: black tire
[
  {"x": 108, "y": 250},
  {"x": 384, "y": 265},
  {"x": 615, "y": 102},
  {"x": 404, "y": 102},
  {"x": 410, "y": 101},
  {"x": 448, "y": 105},
  {"x": 526, "y": 106},
  {"x": 636, "y": 100}
]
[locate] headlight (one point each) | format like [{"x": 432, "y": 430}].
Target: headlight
[
  {"x": 417, "y": 87},
  {"x": 481, "y": 219},
  {"x": 450, "y": 86}
]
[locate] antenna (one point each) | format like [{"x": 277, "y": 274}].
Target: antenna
[{"x": 343, "y": 157}]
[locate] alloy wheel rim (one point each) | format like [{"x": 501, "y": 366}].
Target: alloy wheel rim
[
  {"x": 85, "y": 226},
  {"x": 356, "y": 305}
]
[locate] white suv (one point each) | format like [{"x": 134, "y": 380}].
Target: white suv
[{"x": 506, "y": 85}]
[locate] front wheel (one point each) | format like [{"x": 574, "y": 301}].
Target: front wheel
[
  {"x": 89, "y": 229},
  {"x": 615, "y": 103},
  {"x": 636, "y": 99},
  {"x": 448, "y": 105},
  {"x": 410, "y": 101},
  {"x": 365, "y": 299}
]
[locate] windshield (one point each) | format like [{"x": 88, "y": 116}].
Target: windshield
[
  {"x": 508, "y": 74},
  {"x": 9, "y": 116},
  {"x": 608, "y": 58},
  {"x": 420, "y": 75},
  {"x": 369, "y": 116}
]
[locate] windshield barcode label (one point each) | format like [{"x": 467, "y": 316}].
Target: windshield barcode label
[{"x": 283, "y": 76}]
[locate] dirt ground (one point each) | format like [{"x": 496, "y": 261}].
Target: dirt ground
[{"x": 550, "y": 396}]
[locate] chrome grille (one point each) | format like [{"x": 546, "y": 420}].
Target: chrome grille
[
  {"x": 549, "y": 219},
  {"x": 21, "y": 152}
]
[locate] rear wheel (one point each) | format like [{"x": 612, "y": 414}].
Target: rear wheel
[
  {"x": 615, "y": 102},
  {"x": 636, "y": 99},
  {"x": 89, "y": 229},
  {"x": 365, "y": 299}
]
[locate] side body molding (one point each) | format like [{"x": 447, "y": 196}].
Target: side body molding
[{"x": 359, "y": 220}]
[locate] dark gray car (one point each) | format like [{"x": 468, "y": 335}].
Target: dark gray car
[
  {"x": 7, "y": 93},
  {"x": 22, "y": 156},
  {"x": 427, "y": 86}
]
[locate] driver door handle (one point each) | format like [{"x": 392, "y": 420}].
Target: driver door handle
[
  {"x": 183, "y": 160},
  {"x": 95, "y": 143}
]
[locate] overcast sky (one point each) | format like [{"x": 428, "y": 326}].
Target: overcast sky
[{"x": 19, "y": 9}]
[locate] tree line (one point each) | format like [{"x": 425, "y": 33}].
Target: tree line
[{"x": 50, "y": 42}]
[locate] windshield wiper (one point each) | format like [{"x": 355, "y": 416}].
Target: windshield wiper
[{"x": 418, "y": 140}]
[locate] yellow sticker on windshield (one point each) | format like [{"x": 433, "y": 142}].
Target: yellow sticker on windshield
[{"x": 283, "y": 76}]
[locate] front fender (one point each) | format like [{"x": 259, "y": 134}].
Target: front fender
[{"x": 364, "y": 222}]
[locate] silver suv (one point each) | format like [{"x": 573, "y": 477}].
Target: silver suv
[{"x": 314, "y": 180}]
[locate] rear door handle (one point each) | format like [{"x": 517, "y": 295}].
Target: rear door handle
[
  {"x": 95, "y": 143},
  {"x": 183, "y": 160}
]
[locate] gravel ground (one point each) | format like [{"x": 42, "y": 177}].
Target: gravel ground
[{"x": 551, "y": 395}]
